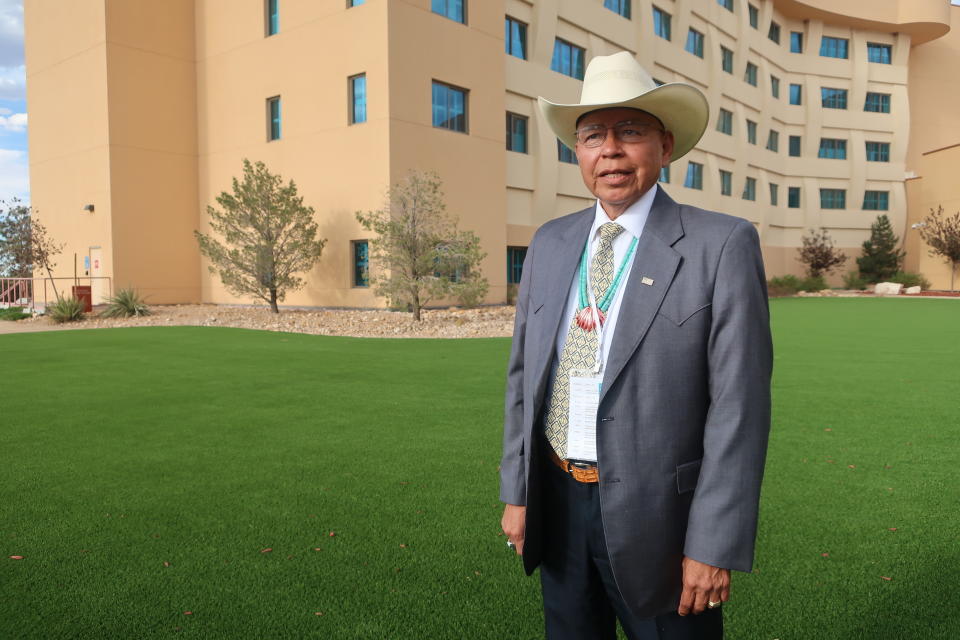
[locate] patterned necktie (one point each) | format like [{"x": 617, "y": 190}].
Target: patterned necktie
[{"x": 580, "y": 348}]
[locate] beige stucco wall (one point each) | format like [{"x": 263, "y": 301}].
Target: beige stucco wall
[
  {"x": 166, "y": 99},
  {"x": 65, "y": 51}
]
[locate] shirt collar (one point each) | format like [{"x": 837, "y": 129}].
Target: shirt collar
[{"x": 633, "y": 219}]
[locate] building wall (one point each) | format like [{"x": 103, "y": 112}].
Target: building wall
[
  {"x": 932, "y": 152},
  {"x": 166, "y": 99},
  {"x": 66, "y": 62}
]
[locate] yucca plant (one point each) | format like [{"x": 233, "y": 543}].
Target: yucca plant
[
  {"x": 127, "y": 303},
  {"x": 65, "y": 310}
]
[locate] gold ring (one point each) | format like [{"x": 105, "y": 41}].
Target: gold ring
[{"x": 713, "y": 605}]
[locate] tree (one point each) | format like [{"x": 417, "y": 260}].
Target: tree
[
  {"x": 42, "y": 251},
  {"x": 881, "y": 258},
  {"x": 942, "y": 234},
  {"x": 819, "y": 254},
  {"x": 269, "y": 236},
  {"x": 15, "y": 254},
  {"x": 420, "y": 254}
]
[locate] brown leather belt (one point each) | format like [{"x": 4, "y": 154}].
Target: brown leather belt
[{"x": 580, "y": 474}]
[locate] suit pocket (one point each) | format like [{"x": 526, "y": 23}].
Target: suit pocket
[
  {"x": 687, "y": 475},
  {"x": 678, "y": 314}
]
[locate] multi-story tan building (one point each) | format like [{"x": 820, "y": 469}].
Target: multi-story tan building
[{"x": 144, "y": 110}]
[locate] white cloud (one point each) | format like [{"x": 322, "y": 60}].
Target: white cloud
[
  {"x": 16, "y": 122},
  {"x": 14, "y": 175},
  {"x": 11, "y": 33},
  {"x": 13, "y": 83}
]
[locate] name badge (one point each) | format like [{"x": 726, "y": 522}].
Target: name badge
[{"x": 582, "y": 416}]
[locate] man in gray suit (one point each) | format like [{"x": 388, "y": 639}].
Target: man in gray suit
[{"x": 638, "y": 389}]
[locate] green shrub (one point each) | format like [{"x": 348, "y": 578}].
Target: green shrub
[
  {"x": 13, "y": 313},
  {"x": 814, "y": 283},
  {"x": 784, "y": 285},
  {"x": 127, "y": 303},
  {"x": 65, "y": 310},
  {"x": 908, "y": 279},
  {"x": 853, "y": 280}
]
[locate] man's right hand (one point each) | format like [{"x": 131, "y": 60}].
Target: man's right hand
[{"x": 514, "y": 524}]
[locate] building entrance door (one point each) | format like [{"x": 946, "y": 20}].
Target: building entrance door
[{"x": 98, "y": 287}]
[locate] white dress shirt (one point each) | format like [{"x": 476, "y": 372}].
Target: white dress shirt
[{"x": 632, "y": 220}]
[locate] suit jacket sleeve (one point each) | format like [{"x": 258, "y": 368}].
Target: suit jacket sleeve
[
  {"x": 722, "y": 524},
  {"x": 513, "y": 485}
]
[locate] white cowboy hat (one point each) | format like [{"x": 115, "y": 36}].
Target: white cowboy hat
[{"x": 620, "y": 81}]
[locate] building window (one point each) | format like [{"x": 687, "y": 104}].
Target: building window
[
  {"x": 726, "y": 59},
  {"x": 794, "y": 146},
  {"x": 879, "y": 52},
  {"x": 833, "y": 47},
  {"x": 361, "y": 263},
  {"x": 273, "y": 118},
  {"x": 876, "y": 200},
  {"x": 796, "y": 42},
  {"x": 751, "y": 132},
  {"x": 750, "y": 75},
  {"x": 796, "y": 94},
  {"x": 449, "y": 107},
  {"x": 775, "y": 86},
  {"x": 695, "y": 43},
  {"x": 694, "y": 179},
  {"x": 272, "y": 17},
  {"x": 354, "y": 3},
  {"x": 833, "y": 98},
  {"x": 774, "y": 32},
  {"x": 566, "y": 154},
  {"x": 833, "y": 148},
  {"x": 567, "y": 59},
  {"x": 878, "y": 152},
  {"x": 773, "y": 141},
  {"x": 877, "y": 102},
  {"x": 726, "y": 4},
  {"x": 750, "y": 189},
  {"x": 793, "y": 197},
  {"x": 726, "y": 183},
  {"x": 621, "y": 7},
  {"x": 516, "y": 132},
  {"x": 725, "y": 122},
  {"x": 515, "y": 38},
  {"x": 665, "y": 174},
  {"x": 833, "y": 198},
  {"x": 774, "y": 193},
  {"x": 661, "y": 23},
  {"x": 453, "y": 9},
  {"x": 515, "y": 258},
  {"x": 754, "y": 16},
  {"x": 358, "y": 98}
]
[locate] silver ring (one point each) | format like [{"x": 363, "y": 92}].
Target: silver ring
[
  {"x": 511, "y": 544},
  {"x": 713, "y": 605}
]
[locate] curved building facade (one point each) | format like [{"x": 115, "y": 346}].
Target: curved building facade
[{"x": 813, "y": 120}]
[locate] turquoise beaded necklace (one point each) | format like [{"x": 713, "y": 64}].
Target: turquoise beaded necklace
[{"x": 584, "y": 316}]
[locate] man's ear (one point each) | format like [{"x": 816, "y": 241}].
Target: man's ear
[{"x": 667, "y": 148}]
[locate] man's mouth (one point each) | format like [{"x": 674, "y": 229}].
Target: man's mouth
[{"x": 615, "y": 176}]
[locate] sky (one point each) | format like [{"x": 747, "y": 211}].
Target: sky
[{"x": 14, "y": 173}]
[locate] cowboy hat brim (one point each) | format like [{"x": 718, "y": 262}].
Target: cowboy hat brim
[{"x": 680, "y": 107}]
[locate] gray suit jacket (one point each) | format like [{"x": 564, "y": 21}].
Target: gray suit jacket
[{"x": 685, "y": 406}]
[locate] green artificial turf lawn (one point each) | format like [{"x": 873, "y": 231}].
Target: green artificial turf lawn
[{"x": 125, "y": 449}]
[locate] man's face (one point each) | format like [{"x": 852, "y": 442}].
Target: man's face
[{"x": 618, "y": 172}]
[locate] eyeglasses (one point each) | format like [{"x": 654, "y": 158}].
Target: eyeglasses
[{"x": 593, "y": 135}]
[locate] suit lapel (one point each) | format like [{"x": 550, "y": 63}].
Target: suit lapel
[
  {"x": 655, "y": 261},
  {"x": 565, "y": 258}
]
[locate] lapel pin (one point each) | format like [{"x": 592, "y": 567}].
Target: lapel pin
[{"x": 647, "y": 281}]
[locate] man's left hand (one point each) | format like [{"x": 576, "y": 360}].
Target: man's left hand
[{"x": 702, "y": 583}]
